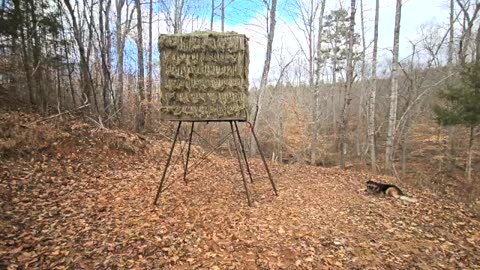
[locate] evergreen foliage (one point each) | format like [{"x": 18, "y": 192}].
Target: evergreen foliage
[
  {"x": 335, "y": 40},
  {"x": 462, "y": 102}
]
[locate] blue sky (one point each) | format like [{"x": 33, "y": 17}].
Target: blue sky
[
  {"x": 414, "y": 14},
  {"x": 246, "y": 16}
]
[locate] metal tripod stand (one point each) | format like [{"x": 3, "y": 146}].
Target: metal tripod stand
[{"x": 240, "y": 151}]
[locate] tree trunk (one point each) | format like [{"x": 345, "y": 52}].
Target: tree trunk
[
  {"x": 121, "y": 34},
  {"x": 477, "y": 45},
  {"x": 310, "y": 29},
  {"x": 468, "y": 167},
  {"x": 465, "y": 39},
  {"x": 316, "y": 89},
  {"x": 392, "y": 118},
  {"x": 452, "y": 32},
  {"x": 178, "y": 16},
  {"x": 334, "y": 85},
  {"x": 58, "y": 85},
  {"x": 212, "y": 15},
  {"x": 120, "y": 45},
  {"x": 348, "y": 88},
  {"x": 268, "y": 54},
  {"x": 69, "y": 68},
  {"x": 334, "y": 90},
  {"x": 150, "y": 53},
  {"x": 25, "y": 55},
  {"x": 451, "y": 129},
  {"x": 89, "y": 48},
  {"x": 404, "y": 144},
  {"x": 223, "y": 15},
  {"x": 150, "y": 63},
  {"x": 373, "y": 92},
  {"x": 38, "y": 67},
  {"x": 266, "y": 66},
  {"x": 140, "y": 127},
  {"x": 363, "y": 84},
  {"x": 104, "y": 48},
  {"x": 108, "y": 55},
  {"x": 319, "y": 43},
  {"x": 87, "y": 83}
]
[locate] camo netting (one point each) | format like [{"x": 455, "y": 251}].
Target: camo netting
[{"x": 204, "y": 76}]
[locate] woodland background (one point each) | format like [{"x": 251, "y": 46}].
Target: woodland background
[{"x": 333, "y": 102}]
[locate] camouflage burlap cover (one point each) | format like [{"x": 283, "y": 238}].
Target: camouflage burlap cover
[{"x": 204, "y": 76}]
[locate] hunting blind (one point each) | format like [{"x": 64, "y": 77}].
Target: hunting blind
[{"x": 204, "y": 76}]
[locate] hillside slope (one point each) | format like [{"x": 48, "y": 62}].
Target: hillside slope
[{"x": 72, "y": 196}]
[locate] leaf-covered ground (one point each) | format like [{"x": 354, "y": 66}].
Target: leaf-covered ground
[{"x": 75, "y": 197}]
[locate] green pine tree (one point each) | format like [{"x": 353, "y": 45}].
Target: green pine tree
[{"x": 462, "y": 106}]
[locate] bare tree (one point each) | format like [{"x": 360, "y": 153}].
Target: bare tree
[
  {"x": 70, "y": 69},
  {"x": 334, "y": 52},
  {"x": 271, "y": 23},
  {"x": 175, "y": 14},
  {"x": 105, "y": 47},
  {"x": 466, "y": 36},
  {"x": 468, "y": 167},
  {"x": 306, "y": 14},
  {"x": 122, "y": 30},
  {"x": 150, "y": 52},
  {"x": 271, "y": 10},
  {"x": 25, "y": 52},
  {"x": 84, "y": 51},
  {"x": 223, "y": 15},
  {"x": 451, "y": 32},
  {"x": 316, "y": 89},
  {"x": 212, "y": 15},
  {"x": 37, "y": 54},
  {"x": 451, "y": 129},
  {"x": 363, "y": 84},
  {"x": 392, "y": 116},
  {"x": 140, "y": 122},
  {"x": 270, "y": 34},
  {"x": 348, "y": 88},
  {"x": 373, "y": 91}
]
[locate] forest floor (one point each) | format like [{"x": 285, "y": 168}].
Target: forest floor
[{"x": 73, "y": 196}]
